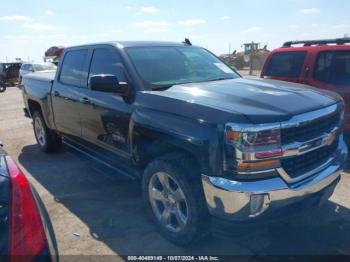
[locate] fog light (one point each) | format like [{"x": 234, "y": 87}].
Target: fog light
[
  {"x": 260, "y": 165},
  {"x": 258, "y": 204}
]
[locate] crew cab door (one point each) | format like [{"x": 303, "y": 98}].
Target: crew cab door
[
  {"x": 331, "y": 71},
  {"x": 104, "y": 115},
  {"x": 67, "y": 92}
]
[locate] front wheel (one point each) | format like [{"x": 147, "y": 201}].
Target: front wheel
[{"x": 175, "y": 199}]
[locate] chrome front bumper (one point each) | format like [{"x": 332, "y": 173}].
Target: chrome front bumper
[{"x": 237, "y": 201}]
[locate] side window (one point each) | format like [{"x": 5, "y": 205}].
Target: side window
[
  {"x": 105, "y": 61},
  {"x": 333, "y": 67},
  {"x": 73, "y": 72},
  {"x": 30, "y": 68},
  {"x": 286, "y": 64}
]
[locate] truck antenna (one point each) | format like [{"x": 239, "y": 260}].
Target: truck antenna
[{"x": 187, "y": 41}]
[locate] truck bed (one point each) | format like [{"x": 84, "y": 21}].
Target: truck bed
[
  {"x": 37, "y": 89},
  {"x": 41, "y": 76},
  {"x": 38, "y": 84}
]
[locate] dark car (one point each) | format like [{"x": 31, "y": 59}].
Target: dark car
[
  {"x": 9, "y": 74},
  {"x": 201, "y": 139},
  {"x": 26, "y": 233},
  {"x": 324, "y": 64}
]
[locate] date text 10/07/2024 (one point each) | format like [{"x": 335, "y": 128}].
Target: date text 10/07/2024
[{"x": 173, "y": 258}]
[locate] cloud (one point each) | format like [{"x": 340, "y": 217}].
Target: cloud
[
  {"x": 341, "y": 26},
  {"x": 192, "y": 22},
  {"x": 252, "y": 29},
  {"x": 147, "y": 24},
  {"x": 153, "y": 26},
  {"x": 39, "y": 27},
  {"x": 49, "y": 12},
  {"x": 19, "y": 18},
  {"x": 225, "y": 17},
  {"x": 155, "y": 30},
  {"x": 293, "y": 26},
  {"x": 149, "y": 10},
  {"x": 116, "y": 31},
  {"x": 32, "y": 38},
  {"x": 312, "y": 10}
]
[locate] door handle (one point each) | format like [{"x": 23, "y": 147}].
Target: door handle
[
  {"x": 56, "y": 93},
  {"x": 85, "y": 100}
]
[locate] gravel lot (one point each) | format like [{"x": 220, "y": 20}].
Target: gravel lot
[{"x": 107, "y": 214}]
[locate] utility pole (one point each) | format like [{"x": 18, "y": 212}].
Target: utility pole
[{"x": 251, "y": 59}]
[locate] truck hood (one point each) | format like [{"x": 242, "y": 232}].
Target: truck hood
[{"x": 259, "y": 100}]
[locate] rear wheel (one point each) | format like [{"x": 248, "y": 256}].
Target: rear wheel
[
  {"x": 174, "y": 197},
  {"x": 2, "y": 88},
  {"x": 47, "y": 139}
]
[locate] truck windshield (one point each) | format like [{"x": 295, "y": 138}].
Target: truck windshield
[{"x": 162, "y": 67}]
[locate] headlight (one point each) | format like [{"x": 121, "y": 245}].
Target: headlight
[
  {"x": 253, "y": 147},
  {"x": 254, "y": 139}
]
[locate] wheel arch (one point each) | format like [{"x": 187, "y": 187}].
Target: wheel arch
[
  {"x": 153, "y": 134},
  {"x": 34, "y": 105}
]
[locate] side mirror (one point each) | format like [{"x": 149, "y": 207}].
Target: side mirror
[{"x": 108, "y": 83}]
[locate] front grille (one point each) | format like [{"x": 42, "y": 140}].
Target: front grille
[
  {"x": 310, "y": 130},
  {"x": 299, "y": 165}
]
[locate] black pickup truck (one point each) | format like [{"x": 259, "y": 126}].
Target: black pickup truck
[{"x": 203, "y": 140}]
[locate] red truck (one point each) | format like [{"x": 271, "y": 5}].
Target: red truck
[{"x": 320, "y": 63}]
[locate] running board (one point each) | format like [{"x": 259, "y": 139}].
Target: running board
[{"x": 80, "y": 148}]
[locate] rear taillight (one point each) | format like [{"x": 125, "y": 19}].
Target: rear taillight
[{"x": 27, "y": 237}]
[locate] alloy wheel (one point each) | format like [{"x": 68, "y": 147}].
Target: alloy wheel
[
  {"x": 168, "y": 201},
  {"x": 40, "y": 131}
]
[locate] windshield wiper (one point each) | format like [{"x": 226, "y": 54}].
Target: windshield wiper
[
  {"x": 161, "y": 87},
  {"x": 219, "y": 79},
  {"x": 164, "y": 87}
]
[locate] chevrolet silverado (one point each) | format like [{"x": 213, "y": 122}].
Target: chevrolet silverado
[{"x": 203, "y": 141}]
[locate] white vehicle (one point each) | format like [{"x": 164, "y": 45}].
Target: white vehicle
[{"x": 27, "y": 68}]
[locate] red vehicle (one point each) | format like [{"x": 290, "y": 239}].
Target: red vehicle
[
  {"x": 320, "y": 63},
  {"x": 53, "y": 54}
]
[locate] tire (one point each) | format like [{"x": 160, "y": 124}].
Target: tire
[
  {"x": 47, "y": 139},
  {"x": 2, "y": 89},
  {"x": 182, "y": 221}
]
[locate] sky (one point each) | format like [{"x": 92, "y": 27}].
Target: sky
[{"x": 29, "y": 28}]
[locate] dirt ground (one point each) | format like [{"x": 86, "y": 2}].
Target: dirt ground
[{"x": 96, "y": 213}]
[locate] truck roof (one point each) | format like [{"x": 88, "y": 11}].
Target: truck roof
[
  {"x": 122, "y": 44},
  {"x": 317, "y": 48},
  {"x": 317, "y": 45}
]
